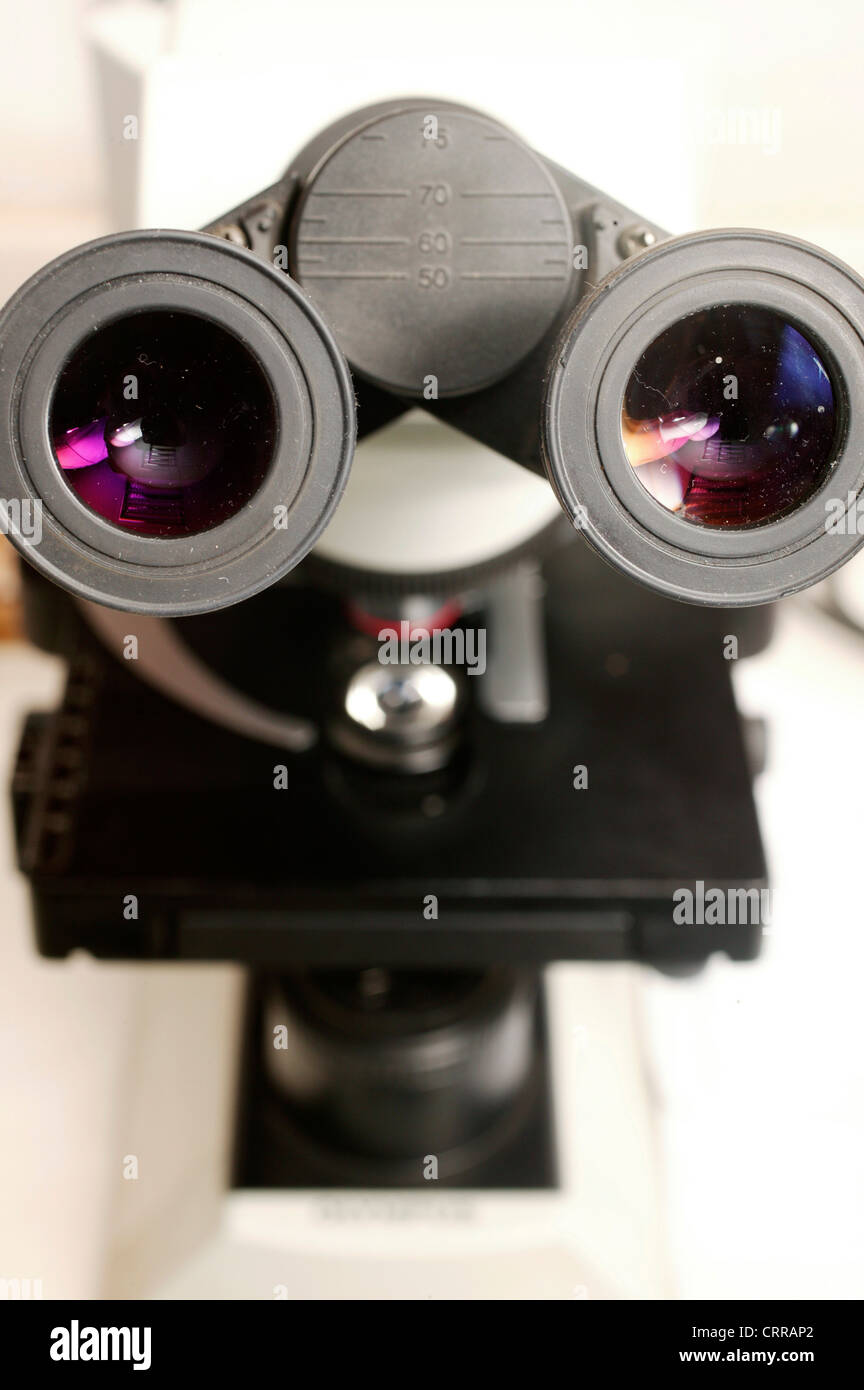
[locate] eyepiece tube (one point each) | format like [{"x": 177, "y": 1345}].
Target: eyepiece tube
[
  {"x": 704, "y": 420},
  {"x": 180, "y": 422}
]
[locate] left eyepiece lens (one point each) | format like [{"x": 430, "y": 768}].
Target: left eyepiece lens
[
  {"x": 163, "y": 424},
  {"x": 179, "y": 416}
]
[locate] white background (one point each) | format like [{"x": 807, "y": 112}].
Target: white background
[{"x": 758, "y": 1070}]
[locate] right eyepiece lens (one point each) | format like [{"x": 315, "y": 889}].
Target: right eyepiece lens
[{"x": 730, "y": 417}]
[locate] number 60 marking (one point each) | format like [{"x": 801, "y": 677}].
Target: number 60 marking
[{"x": 434, "y": 241}]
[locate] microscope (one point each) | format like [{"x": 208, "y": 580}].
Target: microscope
[{"x": 400, "y": 530}]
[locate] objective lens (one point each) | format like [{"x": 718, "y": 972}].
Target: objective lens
[
  {"x": 730, "y": 417},
  {"x": 163, "y": 424}
]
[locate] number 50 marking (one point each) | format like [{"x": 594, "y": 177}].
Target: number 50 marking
[{"x": 433, "y": 277}]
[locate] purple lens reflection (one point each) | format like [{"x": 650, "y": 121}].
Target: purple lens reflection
[{"x": 163, "y": 424}]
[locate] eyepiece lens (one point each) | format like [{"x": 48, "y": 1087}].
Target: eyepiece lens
[
  {"x": 163, "y": 424},
  {"x": 730, "y": 417}
]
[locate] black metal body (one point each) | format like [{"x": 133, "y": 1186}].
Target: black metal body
[{"x": 121, "y": 793}]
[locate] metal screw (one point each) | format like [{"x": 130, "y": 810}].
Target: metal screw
[
  {"x": 235, "y": 234},
  {"x": 635, "y": 239}
]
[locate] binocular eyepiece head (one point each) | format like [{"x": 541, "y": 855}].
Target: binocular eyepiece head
[
  {"x": 183, "y": 419},
  {"x": 180, "y": 417}
]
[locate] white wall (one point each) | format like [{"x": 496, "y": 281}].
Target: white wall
[
  {"x": 48, "y": 136},
  {"x": 630, "y": 87}
]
